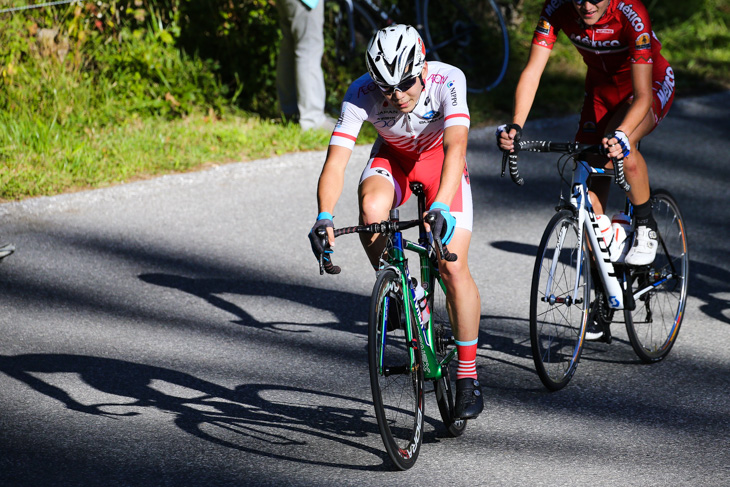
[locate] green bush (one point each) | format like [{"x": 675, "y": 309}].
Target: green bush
[{"x": 101, "y": 63}]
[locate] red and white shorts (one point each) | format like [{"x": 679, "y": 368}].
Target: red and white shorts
[{"x": 401, "y": 170}]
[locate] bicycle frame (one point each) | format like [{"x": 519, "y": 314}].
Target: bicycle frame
[
  {"x": 580, "y": 203},
  {"x": 432, "y": 367}
]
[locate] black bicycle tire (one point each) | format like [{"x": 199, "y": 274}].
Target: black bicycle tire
[
  {"x": 537, "y": 327},
  {"x": 403, "y": 455},
  {"x": 667, "y": 339},
  {"x": 342, "y": 47},
  {"x": 446, "y": 385},
  {"x": 360, "y": 10},
  {"x": 362, "y": 23},
  {"x": 472, "y": 85}
]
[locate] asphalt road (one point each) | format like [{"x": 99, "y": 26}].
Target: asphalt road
[{"x": 176, "y": 331}]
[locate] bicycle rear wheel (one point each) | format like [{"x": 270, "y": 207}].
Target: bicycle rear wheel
[
  {"x": 559, "y": 301},
  {"x": 348, "y": 29},
  {"x": 654, "y": 324},
  {"x": 396, "y": 372},
  {"x": 471, "y": 35},
  {"x": 446, "y": 385}
]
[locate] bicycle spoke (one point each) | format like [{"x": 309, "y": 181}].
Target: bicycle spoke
[
  {"x": 558, "y": 319},
  {"x": 661, "y": 288},
  {"x": 396, "y": 373}
]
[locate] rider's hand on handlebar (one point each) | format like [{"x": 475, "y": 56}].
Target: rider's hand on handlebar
[
  {"x": 444, "y": 222},
  {"x": 322, "y": 245},
  {"x": 617, "y": 145},
  {"x": 507, "y": 135}
]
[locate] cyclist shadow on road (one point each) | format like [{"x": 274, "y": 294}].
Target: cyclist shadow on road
[
  {"x": 348, "y": 308},
  {"x": 266, "y": 420}
]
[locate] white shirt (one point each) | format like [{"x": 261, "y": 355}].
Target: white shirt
[{"x": 442, "y": 104}]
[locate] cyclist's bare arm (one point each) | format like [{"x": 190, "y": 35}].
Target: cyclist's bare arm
[
  {"x": 331, "y": 182},
  {"x": 529, "y": 82},
  {"x": 526, "y": 91},
  {"x": 455, "y": 140}
]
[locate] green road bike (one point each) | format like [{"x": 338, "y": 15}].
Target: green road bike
[{"x": 409, "y": 339}]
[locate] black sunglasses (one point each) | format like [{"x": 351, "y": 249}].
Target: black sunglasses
[
  {"x": 404, "y": 85},
  {"x": 593, "y": 2}
]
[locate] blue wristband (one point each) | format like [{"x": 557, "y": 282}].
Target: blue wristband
[
  {"x": 325, "y": 216},
  {"x": 439, "y": 206}
]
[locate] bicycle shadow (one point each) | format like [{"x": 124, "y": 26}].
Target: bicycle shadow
[
  {"x": 347, "y": 307},
  {"x": 271, "y": 421},
  {"x": 711, "y": 284},
  {"x": 707, "y": 282}
]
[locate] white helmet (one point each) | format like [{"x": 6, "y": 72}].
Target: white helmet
[{"x": 394, "y": 54}]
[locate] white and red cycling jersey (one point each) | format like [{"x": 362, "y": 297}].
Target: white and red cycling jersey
[
  {"x": 621, "y": 38},
  {"x": 410, "y": 145}
]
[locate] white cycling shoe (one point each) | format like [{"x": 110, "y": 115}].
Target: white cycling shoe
[
  {"x": 6, "y": 249},
  {"x": 643, "y": 250}
]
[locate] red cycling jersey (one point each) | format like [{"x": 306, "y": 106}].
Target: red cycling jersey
[{"x": 622, "y": 37}]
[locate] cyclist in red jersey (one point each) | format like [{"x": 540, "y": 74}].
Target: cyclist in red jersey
[
  {"x": 629, "y": 88},
  {"x": 419, "y": 110}
]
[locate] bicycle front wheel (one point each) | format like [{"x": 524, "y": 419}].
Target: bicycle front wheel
[
  {"x": 470, "y": 34},
  {"x": 559, "y": 301},
  {"x": 660, "y": 289},
  {"x": 446, "y": 385},
  {"x": 396, "y": 373}
]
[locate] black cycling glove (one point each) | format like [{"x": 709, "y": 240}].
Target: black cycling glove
[{"x": 319, "y": 244}]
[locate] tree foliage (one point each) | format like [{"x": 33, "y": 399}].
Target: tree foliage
[{"x": 169, "y": 57}]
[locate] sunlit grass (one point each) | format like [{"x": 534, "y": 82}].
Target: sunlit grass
[{"x": 69, "y": 158}]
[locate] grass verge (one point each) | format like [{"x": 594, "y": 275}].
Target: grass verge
[{"x": 131, "y": 110}]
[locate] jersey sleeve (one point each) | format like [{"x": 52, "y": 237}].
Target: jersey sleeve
[
  {"x": 639, "y": 36},
  {"x": 456, "y": 111},
  {"x": 352, "y": 115},
  {"x": 546, "y": 32}
]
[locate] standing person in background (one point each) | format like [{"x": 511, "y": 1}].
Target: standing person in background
[{"x": 299, "y": 77}]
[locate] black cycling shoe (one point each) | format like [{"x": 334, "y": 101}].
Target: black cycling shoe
[
  {"x": 594, "y": 332},
  {"x": 469, "y": 401}
]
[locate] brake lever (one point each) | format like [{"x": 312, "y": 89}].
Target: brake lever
[
  {"x": 329, "y": 267},
  {"x": 442, "y": 249}
]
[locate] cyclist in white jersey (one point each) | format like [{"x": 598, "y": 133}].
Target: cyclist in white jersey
[{"x": 419, "y": 110}]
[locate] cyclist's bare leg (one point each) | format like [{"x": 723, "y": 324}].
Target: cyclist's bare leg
[
  {"x": 635, "y": 168},
  {"x": 376, "y": 195},
  {"x": 461, "y": 291}
]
